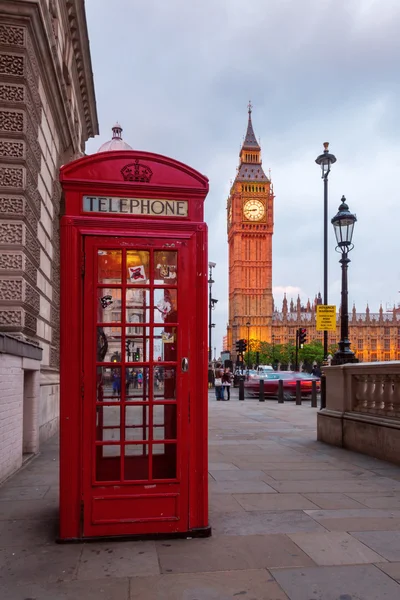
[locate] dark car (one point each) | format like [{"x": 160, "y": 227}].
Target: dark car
[{"x": 289, "y": 378}]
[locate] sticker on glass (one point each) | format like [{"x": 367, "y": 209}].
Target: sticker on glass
[
  {"x": 164, "y": 305},
  {"x": 137, "y": 273},
  {"x": 167, "y": 272},
  {"x": 167, "y": 337},
  {"x": 106, "y": 301}
]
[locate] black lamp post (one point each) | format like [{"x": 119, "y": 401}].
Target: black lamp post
[
  {"x": 343, "y": 225},
  {"x": 325, "y": 160},
  {"x": 248, "y": 325},
  {"x": 211, "y": 305},
  {"x": 273, "y": 350}
]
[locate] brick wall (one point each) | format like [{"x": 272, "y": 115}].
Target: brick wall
[{"x": 11, "y": 413}]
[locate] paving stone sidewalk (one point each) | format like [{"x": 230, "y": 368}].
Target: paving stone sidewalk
[{"x": 293, "y": 519}]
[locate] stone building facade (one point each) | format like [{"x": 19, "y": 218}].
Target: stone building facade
[
  {"x": 373, "y": 336},
  {"x": 47, "y": 112},
  {"x": 250, "y": 216}
]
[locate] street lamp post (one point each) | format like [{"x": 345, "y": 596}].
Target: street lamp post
[
  {"x": 273, "y": 349},
  {"x": 248, "y": 324},
  {"x": 343, "y": 225},
  {"x": 325, "y": 160},
  {"x": 211, "y": 305}
]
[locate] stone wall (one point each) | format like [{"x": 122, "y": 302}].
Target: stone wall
[{"x": 47, "y": 112}]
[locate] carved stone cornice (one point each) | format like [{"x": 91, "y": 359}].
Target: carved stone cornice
[{"x": 35, "y": 16}]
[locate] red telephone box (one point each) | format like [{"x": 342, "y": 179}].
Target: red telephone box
[{"x": 133, "y": 415}]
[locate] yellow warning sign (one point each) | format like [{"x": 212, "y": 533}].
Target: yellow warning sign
[{"x": 326, "y": 317}]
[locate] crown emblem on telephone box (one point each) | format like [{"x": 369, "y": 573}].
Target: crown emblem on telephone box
[{"x": 137, "y": 172}]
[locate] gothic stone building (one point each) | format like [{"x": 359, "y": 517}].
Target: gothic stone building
[
  {"x": 47, "y": 112},
  {"x": 373, "y": 336}
]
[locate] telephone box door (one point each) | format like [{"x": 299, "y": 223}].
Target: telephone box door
[{"x": 136, "y": 358}]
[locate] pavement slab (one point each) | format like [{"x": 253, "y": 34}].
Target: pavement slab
[
  {"x": 364, "y": 582},
  {"x": 333, "y": 501},
  {"x": 230, "y": 553},
  {"x": 335, "y": 548},
  {"x": 386, "y": 543},
  {"x": 101, "y": 589},
  {"x": 128, "y": 559},
  {"x": 255, "y": 584},
  {"x": 392, "y": 569},
  {"x": 264, "y": 522},
  {"x": 273, "y": 502}
]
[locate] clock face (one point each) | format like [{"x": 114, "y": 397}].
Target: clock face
[{"x": 254, "y": 210}]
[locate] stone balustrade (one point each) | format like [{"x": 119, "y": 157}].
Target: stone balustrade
[{"x": 363, "y": 409}]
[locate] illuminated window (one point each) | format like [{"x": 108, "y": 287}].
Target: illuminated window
[
  {"x": 387, "y": 345},
  {"x": 373, "y": 344},
  {"x": 360, "y": 344}
]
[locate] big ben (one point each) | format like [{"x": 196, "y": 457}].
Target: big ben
[{"x": 250, "y": 229}]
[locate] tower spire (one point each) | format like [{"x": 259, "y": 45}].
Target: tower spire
[{"x": 250, "y": 140}]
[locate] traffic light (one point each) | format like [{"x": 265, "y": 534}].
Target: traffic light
[
  {"x": 238, "y": 346},
  {"x": 244, "y": 345},
  {"x": 302, "y": 336}
]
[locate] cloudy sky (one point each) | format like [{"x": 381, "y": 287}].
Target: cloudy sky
[{"x": 178, "y": 75}]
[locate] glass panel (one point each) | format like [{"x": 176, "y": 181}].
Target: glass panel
[
  {"x": 137, "y": 384},
  {"x": 137, "y": 266},
  {"x": 165, "y": 389},
  {"x": 108, "y": 305},
  {"x": 165, "y": 267},
  {"x": 108, "y": 423},
  {"x": 164, "y": 422},
  {"x": 109, "y": 344},
  {"x": 136, "y": 464},
  {"x": 105, "y": 378},
  {"x": 137, "y": 344},
  {"x": 164, "y": 345},
  {"x": 136, "y": 423},
  {"x": 165, "y": 306},
  {"x": 108, "y": 463},
  {"x": 109, "y": 266},
  {"x": 164, "y": 461},
  {"x": 137, "y": 306}
]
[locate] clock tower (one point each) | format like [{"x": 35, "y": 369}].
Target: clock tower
[{"x": 250, "y": 228}]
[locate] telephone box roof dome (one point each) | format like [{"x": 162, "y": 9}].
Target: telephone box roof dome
[{"x": 116, "y": 142}]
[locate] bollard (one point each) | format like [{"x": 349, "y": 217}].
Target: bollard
[
  {"x": 280, "y": 391},
  {"x": 314, "y": 394},
  {"x": 241, "y": 388},
  {"x": 323, "y": 391},
  {"x": 262, "y": 398},
  {"x": 298, "y": 392}
]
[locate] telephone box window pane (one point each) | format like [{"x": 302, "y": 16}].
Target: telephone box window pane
[
  {"x": 137, "y": 384},
  {"x": 137, "y": 344},
  {"x": 165, "y": 344},
  {"x": 164, "y": 422},
  {"x": 109, "y": 266},
  {"x": 165, "y": 267},
  {"x": 165, "y": 305},
  {"x": 108, "y": 463},
  {"x": 137, "y": 267},
  {"x": 137, "y": 306},
  {"x": 109, "y": 305},
  {"x": 165, "y": 389},
  {"x": 107, "y": 384},
  {"x": 164, "y": 461},
  {"x": 109, "y": 344},
  {"x": 136, "y": 423},
  {"x": 136, "y": 462},
  {"x": 108, "y": 423}
]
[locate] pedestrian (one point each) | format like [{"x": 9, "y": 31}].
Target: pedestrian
[
  {"x": 219, "y": 390},
  {"x": 316, "y": 371},
  {"x": 226, "y": 383}
]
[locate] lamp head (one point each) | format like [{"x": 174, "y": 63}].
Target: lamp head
[
  {"x": 343, "y": 225},
  {"x": 325, "y": 160}
]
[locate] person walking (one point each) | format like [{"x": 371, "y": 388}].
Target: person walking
[
  {"x": 219, "y": 390},
  {"x": 226, "y": 384}
]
